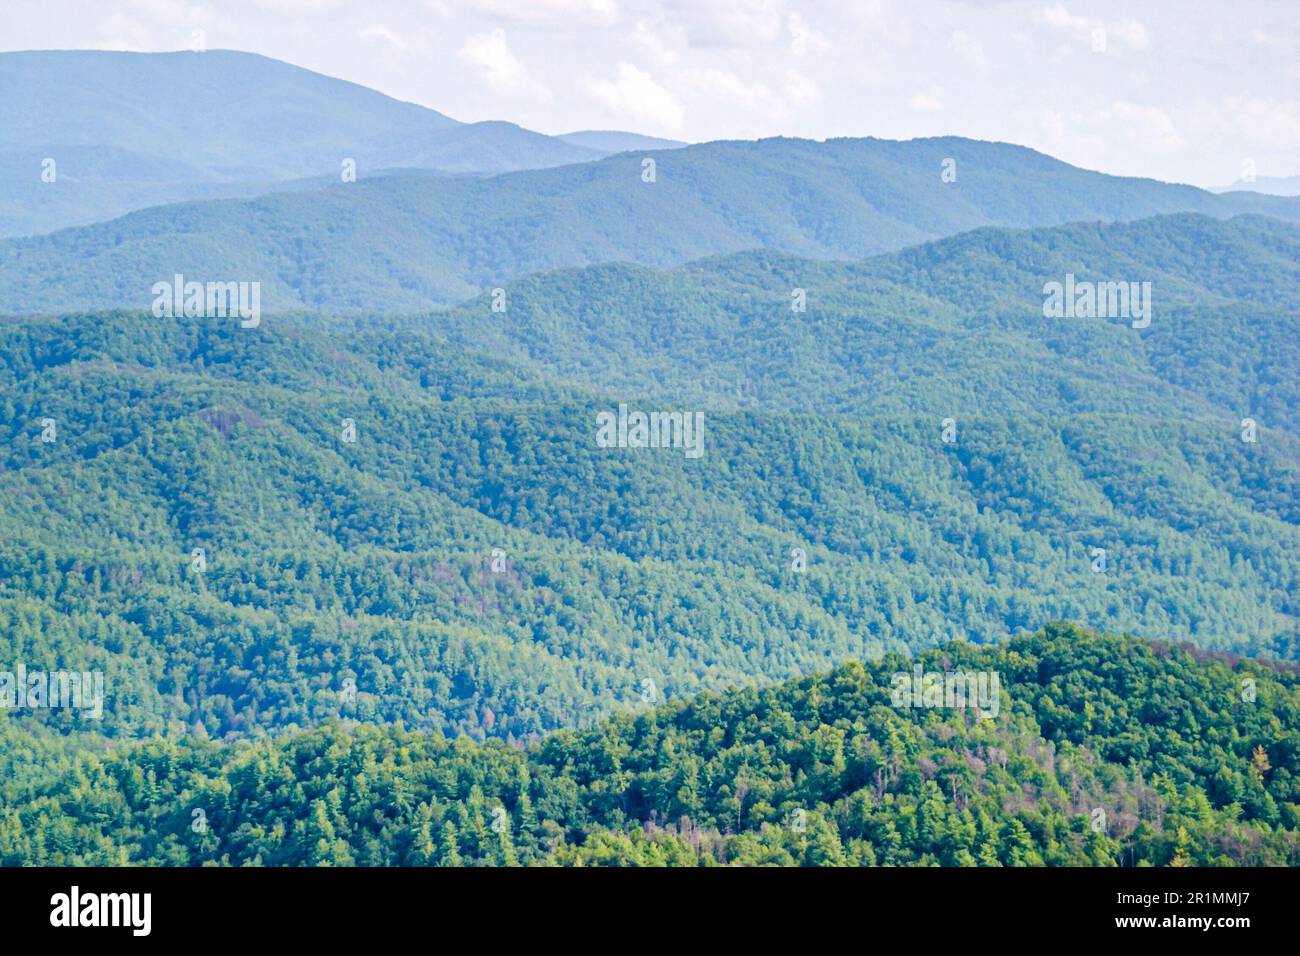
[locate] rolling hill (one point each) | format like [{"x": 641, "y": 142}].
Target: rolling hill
[
  {"x": 1103, "y": 752},
  {"x": 406, "y": 243},
  {"x": 914, "y": 329},
  {"x": 474, "y": 562}
]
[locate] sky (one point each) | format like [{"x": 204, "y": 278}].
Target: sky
[{"x": 1186, "y": 91}]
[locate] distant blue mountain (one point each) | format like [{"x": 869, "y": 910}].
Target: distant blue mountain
[
  {"x": 1271, "y": 185},
  {"x": 409, "y": 242},
  {"x": 613, "y": 141},
  {"x": 129, "y": 130}
]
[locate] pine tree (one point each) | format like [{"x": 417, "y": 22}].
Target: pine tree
[{"x": 448, "y": 851}]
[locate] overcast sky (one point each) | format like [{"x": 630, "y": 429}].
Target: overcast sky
[{"x": 1185, "y": 90}]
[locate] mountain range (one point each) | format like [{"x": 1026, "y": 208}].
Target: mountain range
[
  {"x": 1273, "y": 185},
  {"x": 129, "y": 130},
  {"x": 372, "y": 579},
  {"x": 476, "y": 562},
  {"x": 407, "y": 243}
]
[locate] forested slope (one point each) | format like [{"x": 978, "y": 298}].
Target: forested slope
[
  {"x": 1104, "y": 751},
  {"x": 950, "y": 327},
  {"x": 475, "y": 563},
  {"x": 404, "y": 243}
]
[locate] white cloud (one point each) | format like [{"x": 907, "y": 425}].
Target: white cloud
[
  {"x": 652, "y": 40},
  {"x": 756, "y": 97},
  {"x": 1147, "y": 127},
  {"x": 296, "y": 7},
  {"x": 723, "y": 86},
  {"x": 533, "y": 10},
  {"x": 636, "y": 95},
  {"x": 968, "y": 48},
  {"x": 878, "y": 19},
  {"x": 728, "y": 23},
  {"x": 174, "y": 12},
  {"x": 1264, "y": 38},
  {"x": 803, "y": 37},
  {"x": 927, "y": 99},
  {"x": 1061, "y": 19},
  {"x": 1133, "y": 33},
  {"x": 504, "y": 72},
  {"x": 799, "y": 90},
  {"x": 1256, "y": 124},
  {"x": 1122, "y": 137},
  {"x": 156, "y": 26},
  {"x": 384, "y": 34}
]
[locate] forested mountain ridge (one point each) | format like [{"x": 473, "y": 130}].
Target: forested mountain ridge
[
  {"x": 384, "y": 490},
  {"x": 912, "y": 330},
  {"x": 474, "y": 563},
  {"x": 403, "y": 243},
  {"x": 1104, "y": 751}
]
